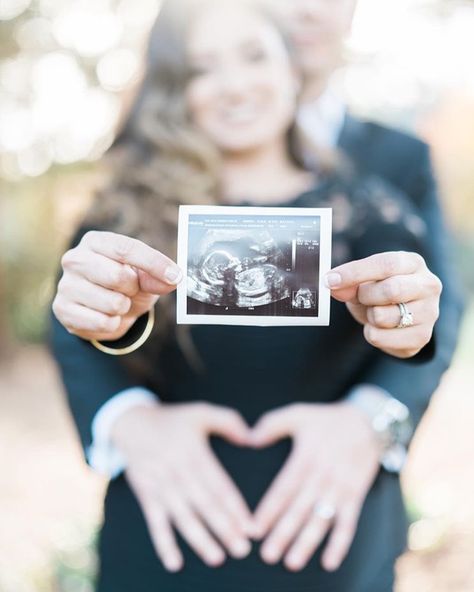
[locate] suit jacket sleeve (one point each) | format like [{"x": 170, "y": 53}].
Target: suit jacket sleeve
[
  {"x": 90, "y": 377},
  {"x": 414, "y": 381}
]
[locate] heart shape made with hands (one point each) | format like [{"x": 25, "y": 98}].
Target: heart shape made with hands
[
  {"x": 272, "y": 426},
  {"x": 312, "y": 496}
]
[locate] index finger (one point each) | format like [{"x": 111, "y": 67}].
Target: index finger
[
  {"x": 223, "y": 487},
  {"x": 132, "y": 251},
  {"x": 374, "y": 268}
]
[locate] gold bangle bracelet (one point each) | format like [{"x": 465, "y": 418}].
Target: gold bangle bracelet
[{"x": 122, "y": 351}]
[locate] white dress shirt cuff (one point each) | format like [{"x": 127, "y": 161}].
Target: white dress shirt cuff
[
  {"x": 369, "y": 390},
  {"x": 102, "y": 456}
]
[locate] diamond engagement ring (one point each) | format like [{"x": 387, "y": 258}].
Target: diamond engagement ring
[
  {"x": 406, "y": 317},
  {"x": 325, "y": 510}
]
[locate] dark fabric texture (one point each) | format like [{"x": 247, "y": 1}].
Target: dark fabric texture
[{"x": 257, "y": 369}]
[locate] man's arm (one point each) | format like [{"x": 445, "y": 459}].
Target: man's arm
[
  {"x": 91, "y": 378},
  {"x": 440, "y": 256},
  {"x": 98, "y": 386},
  {"x": 102, "y": 455},
  {"x": 415, "y": 382}
]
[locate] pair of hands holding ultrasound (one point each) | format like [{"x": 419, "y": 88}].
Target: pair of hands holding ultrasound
[{"x": 110, "y": 280}]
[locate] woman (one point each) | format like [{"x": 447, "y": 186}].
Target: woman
[{"x": 248, "y": 434}]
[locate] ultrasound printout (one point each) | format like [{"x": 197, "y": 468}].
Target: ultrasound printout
[{"x": 254, "y": 265}]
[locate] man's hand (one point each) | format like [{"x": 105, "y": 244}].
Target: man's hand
[
  {"x": 179, "y": 482},
  {"x": 109, "y": 281},
  {"x": 373, "y": 287}
]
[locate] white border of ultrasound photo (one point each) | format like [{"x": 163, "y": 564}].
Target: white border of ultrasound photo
[{"x": 182, "y": 316}]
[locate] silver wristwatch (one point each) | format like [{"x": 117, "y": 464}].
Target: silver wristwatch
[{"x": 390, "y": 420}]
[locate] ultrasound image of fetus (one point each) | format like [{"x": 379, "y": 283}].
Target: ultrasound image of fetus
[
  {"x": 237, "y": 268},
  {"x": 304, "y": 298}
]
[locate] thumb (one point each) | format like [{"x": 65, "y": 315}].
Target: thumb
[
  {"x": 229, "y": 424},
  {"x": 151, "y": 285},
  {"x": 273, "y": 426}
]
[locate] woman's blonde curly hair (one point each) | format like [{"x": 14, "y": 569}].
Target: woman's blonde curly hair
[{"x": 160, "y": 160}]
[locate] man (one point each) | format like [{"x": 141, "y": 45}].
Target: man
[{"x": 319, "y": 29}]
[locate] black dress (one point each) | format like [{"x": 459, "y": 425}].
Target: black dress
[{"x": 257, "y": 369}]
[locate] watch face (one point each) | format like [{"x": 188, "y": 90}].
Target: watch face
[
  {"x": 398, "y": 434},
  {"x": 394, "y": 458},
  {"x": 390, "y": 420},
  {"x": 402, "y": 431},
  {"x": 400, "y": 425},
  {"x": 392, "y": 424}
]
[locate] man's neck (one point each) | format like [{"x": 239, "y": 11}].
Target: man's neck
[{"x": 315, "y": 86}]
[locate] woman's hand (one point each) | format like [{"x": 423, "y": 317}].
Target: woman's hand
[
  {"x": 179, "y": 482},
  {"x": 373, "y": 287},
  {"x": 321, "y": 487},
  {"x": 109, "y": 281}
]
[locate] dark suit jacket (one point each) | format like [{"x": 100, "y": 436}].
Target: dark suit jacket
[{"x": 404, "y": 161}]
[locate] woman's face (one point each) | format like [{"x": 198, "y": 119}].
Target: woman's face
[{"x": 242, "y": 93}]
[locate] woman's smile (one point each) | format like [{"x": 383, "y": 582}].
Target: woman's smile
[{"x": 241, "y": 114}]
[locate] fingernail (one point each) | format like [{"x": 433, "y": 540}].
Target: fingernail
[
  {"x": 173, "y": 274},
  {"x": 241, "y": 549},
  {"x": 174, "y": 564},
  {"x": 333, "y": 280},
  {"x": 294, "y": 562},
  {"x": 330, "y": 564},
  {"x": 270, "y": 554},
  {"x": 216, "y": 558}
]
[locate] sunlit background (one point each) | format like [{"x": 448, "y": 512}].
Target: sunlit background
[{"x": 66, "y": 70}]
